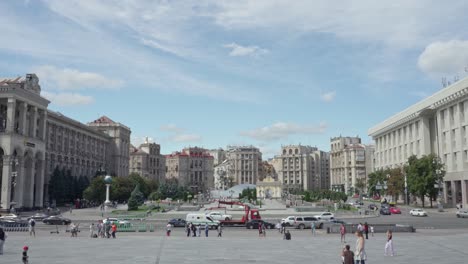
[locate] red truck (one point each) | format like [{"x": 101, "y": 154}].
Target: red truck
[{"x": 249, "y": 214}]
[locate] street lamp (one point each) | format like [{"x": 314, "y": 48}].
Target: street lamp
[{"x": 107, "y": 202}]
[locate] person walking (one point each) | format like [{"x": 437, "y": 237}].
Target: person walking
[
  {"x": 32, "y": 229},
  {"x": 389, "y": 244},
  {"x": 343, "y": 233},
  {"x": 220, "y": 230},
  {"x": 114, "y": 229},
  {"x": 312, "y": 227},
  {"x": 3, "y": 237},
  {"x": 360, "y": 228},
  {"x": 108, "y": 229},
  {"x": 25, "y": 257},
  {"x": 264, "y": 229},
  {"x": 360, "y": 252},
  {"x": 198, "y": 230},
  {"x": 283, "y": 227},
  {"x": 168, "y": 229},
  {"x": 366, "y": 230},
  {"x": 347, "y": 256},
  {"x": 188, "y": 228},
  {"x": 91, "y": 230},
  {"x": 194, "y": 230},
  {"x": 207, "y": 229},
  {"x": 260, "y": 229}
]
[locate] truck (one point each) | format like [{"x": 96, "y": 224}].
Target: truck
[{"x": 249, "y": 214}]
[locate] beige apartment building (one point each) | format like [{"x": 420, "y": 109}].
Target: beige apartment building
[
  {"x": 34, "y": 141},
  {"x": 349, "y": 161},
  {"x": 302, "y": 168},
  {"x": 245, "y": 164},
  {"x": 147, "y": 161},
  {"x": 437, "y": 124},
  {"x": 192, "y": 167}
]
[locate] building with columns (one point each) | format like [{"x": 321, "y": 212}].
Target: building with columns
[
  {"x": 34, "y": 141},
  {"x": 147, "y": 161},
  {"x": 245, "y": 164},
  {"x": 437, "y": 124}
]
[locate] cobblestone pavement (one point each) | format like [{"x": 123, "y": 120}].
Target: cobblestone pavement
[{"x": 236, "y": 246}]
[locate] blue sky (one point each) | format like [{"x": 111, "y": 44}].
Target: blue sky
[{"x": 213, "y": 73}]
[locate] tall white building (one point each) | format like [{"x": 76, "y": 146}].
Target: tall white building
[
  {"x": 437, "y": 124},
  {"x": 245, "y": 164}
]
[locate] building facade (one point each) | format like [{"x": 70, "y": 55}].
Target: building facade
[
  {"x": 245, "y": 162},
  {"x": 147, "y": 161},
  {"x": 34, "y": 141},
  {"x": 192, "y": 167},
  {"x": 219, "y": 155},
  {"x": 302, "y": 168},
  {"x": 350, "y": 162},
  {"x": 437, "y": 124}
]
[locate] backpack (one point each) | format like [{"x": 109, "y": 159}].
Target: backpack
[{"x": 33, "y": 223}]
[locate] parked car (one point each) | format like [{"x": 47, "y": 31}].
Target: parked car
[
  {"x": 178, "y": 222},
  {"x": 462, "y": 213},
  {"x": 115, "y": 220},
  {"x": 38, "y": 216},
  {"x": 337, "y": 221},
  {"x": 418, "y": 212},
  {"x": 56, "y": 220},
  {"x": 288, "y": 220},
  {"x": 373, "y": 207},
  {"x": 325, "y": 216},
  {"x": 254, "y": 224},
  {"x": 9, "y": 216},
  {"x": 219, "y": 216},
  {"x": 385, "y": 211},
  {"x": 395, "y": 210},
  {"x": 303, "y": 222}
]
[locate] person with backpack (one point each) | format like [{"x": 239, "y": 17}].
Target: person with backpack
[{"x": 32, "y": 225}]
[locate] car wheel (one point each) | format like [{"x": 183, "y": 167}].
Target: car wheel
[
  {"x": 64, "y": 223},
  {"x": 301, "y": 226},
  {"x": 227, "y": 219}
]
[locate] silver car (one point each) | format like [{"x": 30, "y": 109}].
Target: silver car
[
  {"x": 462, "y": 213},
  {"x": 303, "y": 222}
]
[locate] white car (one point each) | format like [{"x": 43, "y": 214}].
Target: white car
[
  {"x": 418, "y": 212},
  {"x": 116, "y": 220},
  {"x": 219, "y": 216},
  {"x": 325, "y": 216},
  {"x": 462, "y": 213},
  {"x": 9, "y": 216},
  {"x": 289, "y": 220}
]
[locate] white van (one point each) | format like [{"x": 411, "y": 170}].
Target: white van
[{"x": 201, "y": 219}]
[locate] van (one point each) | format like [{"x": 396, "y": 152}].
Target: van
[{"x": 201, "y": 219}]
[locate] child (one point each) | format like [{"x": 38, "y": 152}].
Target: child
[
  {"x": 347, "y": 256},
  {"x": 25, "y": 255},
  {"x": 389, "y": 244}
]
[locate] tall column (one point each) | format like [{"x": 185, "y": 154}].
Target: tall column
[
  {"x": 29, "y": 181},
  {"x": 11, "y": 110},
  {"x": 39, "y": 199},
  {"x": 6, "y": 183},
  {"x": 463, "y": 191},
  {"x": 20, "y": 175},
  {"x": 454, "y": 193},
  {"x": 23, "y": 119},
  {"x": 33, "y": 122},
  {"x": 42, "y": 125}
]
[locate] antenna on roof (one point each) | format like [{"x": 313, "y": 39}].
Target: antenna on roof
[{"x": 444, "y": 82}]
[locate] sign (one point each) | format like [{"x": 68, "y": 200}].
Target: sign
[{"x": 29, "y": 144}]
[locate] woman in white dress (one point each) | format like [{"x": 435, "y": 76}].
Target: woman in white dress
[{"x": 360, "y": 253}]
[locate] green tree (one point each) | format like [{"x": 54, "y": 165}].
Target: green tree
[
  {"x": 96, "y": 191},
  {"x": 136, "y": 199},
  {"x": 360, "y": 185},
  {"x": 121, "y": 188},
  {"x": 395, "y": 183},
  {"x": 375, "y": 178}
]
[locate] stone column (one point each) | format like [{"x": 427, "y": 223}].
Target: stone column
[
  {"x": 6, "y": 183},
  {"x": 42, "y": 125},
  {"x": 23, "y": 120},
  {"x": 454, "y": 193},
  {"x": 39, "y": 199},
  {"x": 28, "y": 184},
  {"x": 20, "y": 170},
  {"x": 11, "y": 111},
  {"x": 463, "y": 190},
  {"x": 33, "y": 122}
]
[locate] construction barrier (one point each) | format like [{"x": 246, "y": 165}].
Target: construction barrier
[{"x": 15, "y": 227}]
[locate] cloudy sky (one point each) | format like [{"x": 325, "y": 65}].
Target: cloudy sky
[{"x": 213, "y": 73}]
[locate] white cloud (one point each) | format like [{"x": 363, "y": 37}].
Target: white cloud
[
  {"x": 238, "y": 50},
  {"x": 71, "y": 79},
  {"x": 282, "y": 130},
  {"x": 185, "y": 138},
  {"x": 68, "y": 99},
  {"x": 444, "y": 58},
  {"x": 171, "y": 128},
  {"x": 328, "y": 96}
]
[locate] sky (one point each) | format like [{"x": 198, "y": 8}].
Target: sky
[{"x": 213, "y": 73}]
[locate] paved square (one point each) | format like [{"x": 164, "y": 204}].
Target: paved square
[{"x": 237, "y": 246}]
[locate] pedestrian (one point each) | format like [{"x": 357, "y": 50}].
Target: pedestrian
[
  {"x": 207, "y": 228},
  {"x": 198, "y": 230},
  {"x": 366, "y": 230},
  {"x": 188, "y": 228},
  {"x": 283, "y": 227},
  {"x": 389, "y": 244},
  {"x": 32, "y": 225},
  {"x": 91, "y": 230},
  {"x": 264, "y": 229},
  {"x": 312, "y": 227},
  {"x": 360, "y": 228},
  {"x": 168, "y": 229},
  {"x": 287, "y": 235},
  {"x": 72, "y": 228},
  {"x": 194, "y": 230},
  {"x": 25, "y": 257},
  {"x": 3, "y": 237},
  {"x": 260, "y": 229},
  {"x": 278, "y": 227},
  {"x": 372, "y": 230},
  {"x": 343, "y": 233},
  {"x": 360, "y": 252},
  {"x": 114, "y": 229},
  {"x": 347, "y": 256},
  {"x": 220, "y": 230}
]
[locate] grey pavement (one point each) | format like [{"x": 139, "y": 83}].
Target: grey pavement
[{"x": 237, "y": 246}]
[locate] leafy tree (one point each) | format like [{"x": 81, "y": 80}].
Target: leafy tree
[
  {"x": 132, "y": 204},
  {"x": 138, "y": 195},
  {"x": 121, "y": 188},
  {"x": 375, "y": 178},
  {"x": 249, "y": 194},
  {"x": 360, "y": 185},
  {"x": 395, "y": 183},
  {"x": 96, "y": 191}
]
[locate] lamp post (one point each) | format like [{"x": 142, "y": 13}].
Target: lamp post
[{"x": 107, "y": 202}]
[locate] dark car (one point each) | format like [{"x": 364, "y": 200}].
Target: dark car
[
  {"x": 337, "y": 221},
  {"x": 56, "y": 220},
  {"x": 254, "y": 224},
  {"x": 178, "y": 222},
  {"x": 373, "y": 207},
  {"x": 38, "y": 216},
  {"x": 385, "y": 211}
]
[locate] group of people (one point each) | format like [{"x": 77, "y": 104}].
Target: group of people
[
  {"x": 103, "y": 229},
  {"x": 359, "y": 255},
  {"x": 195, "y": 230}
]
